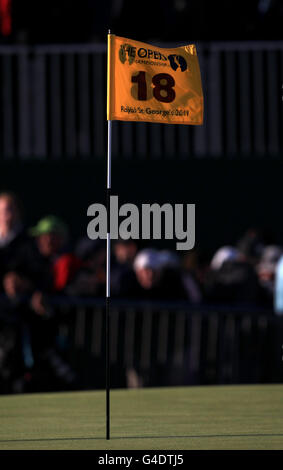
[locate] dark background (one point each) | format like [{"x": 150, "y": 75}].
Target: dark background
[{"x": 167, "y": 20}]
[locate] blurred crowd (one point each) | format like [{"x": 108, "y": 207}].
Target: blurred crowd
[
  {"x": 44, "y": 260},
  {"x": 40, "y": 262}
]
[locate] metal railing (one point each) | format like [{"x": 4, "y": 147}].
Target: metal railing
[
  {"x": 171, "y": 343},
  {"x": 165, "y": 343},
  {"x": 175, "y": 344},
  {"x": 53, "y": 105}
]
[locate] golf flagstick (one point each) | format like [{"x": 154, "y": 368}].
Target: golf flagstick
[
  {"x": 168, "y": 102},
  {"x": 108, "y": 255}
]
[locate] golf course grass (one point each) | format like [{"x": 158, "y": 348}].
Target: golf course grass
[{"x": 208, "y": 417}]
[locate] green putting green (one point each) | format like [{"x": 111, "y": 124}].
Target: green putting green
[{"x": 179, "y": 418}]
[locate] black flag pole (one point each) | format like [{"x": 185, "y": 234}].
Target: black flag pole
[{"x": 108, "y": 256}]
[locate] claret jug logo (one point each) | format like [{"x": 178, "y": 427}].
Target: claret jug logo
[
  {"x": 130, "y": 53},
  {"x": 177, "y": 61}
]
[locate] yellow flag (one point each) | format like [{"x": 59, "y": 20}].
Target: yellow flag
[{"x": 149, "y": 83}]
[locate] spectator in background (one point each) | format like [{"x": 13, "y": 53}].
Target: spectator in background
[
  {"x": 231, "y": 279},
  {"x": 171, "y": 265},
  {"x": 57, "y": 265},
  {"x": 157, "y": 280},
  {"x": 266, "y": 269},
  {"x": 17, "y": 278},
  {"x": 90, "y": 279},
  {"x": 192, "y": 277},
  {"x": 278, "y": 287},
  {"x": 251, "y": 245},
  {"x": 123, "y": 278},
  {"x": 17, "y": 269}
]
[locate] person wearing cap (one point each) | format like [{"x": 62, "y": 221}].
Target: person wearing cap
[
  {"x": 231, "y": 279},
  {"x": 57, "y": 264},
  {"x": 56, "y": 267},
  {"x": 147, "y": 266},
  {"x": 156, "y": 278}
]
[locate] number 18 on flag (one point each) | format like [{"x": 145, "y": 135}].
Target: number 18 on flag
[{"x": 148, "y": 83}]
